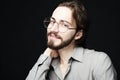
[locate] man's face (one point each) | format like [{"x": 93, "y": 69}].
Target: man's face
[{"x": 56, "y": 39}]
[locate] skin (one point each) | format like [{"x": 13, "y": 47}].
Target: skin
[{"x": 56, "y": 38}]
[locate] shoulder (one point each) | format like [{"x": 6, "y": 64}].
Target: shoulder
[
  {"x": 99, "y": 63},
  {"x": 97, "y": 58},
  {"x": 91, "y": 54},
  {"x": 95, "y": 54}
]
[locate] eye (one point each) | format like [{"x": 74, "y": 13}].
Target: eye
[
  {"x": 65, "y": 25},
  {"x": 52, "y": 21}
]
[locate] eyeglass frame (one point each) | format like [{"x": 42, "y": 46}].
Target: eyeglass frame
[{"x": 62, "y": 22}]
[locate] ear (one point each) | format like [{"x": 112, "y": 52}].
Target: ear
[{"x": 79, "y": 34}]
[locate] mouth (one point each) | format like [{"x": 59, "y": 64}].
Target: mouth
[{"x": 53, "y": 36}]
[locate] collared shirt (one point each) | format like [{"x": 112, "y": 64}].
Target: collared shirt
[{"x": 84, "y": 64}]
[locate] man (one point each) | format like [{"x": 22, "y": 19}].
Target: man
[{"x": 66, "y": 58}]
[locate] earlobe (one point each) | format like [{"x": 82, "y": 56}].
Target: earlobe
[{"x": 79, "y": 34}]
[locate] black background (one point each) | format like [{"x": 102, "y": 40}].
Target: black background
[{"x": 24, "y": 37}]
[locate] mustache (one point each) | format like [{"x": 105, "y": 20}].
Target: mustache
[{"x": 56, "y": 35}]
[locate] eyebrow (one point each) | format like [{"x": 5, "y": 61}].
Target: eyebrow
[{"x": 62, "y": 20}]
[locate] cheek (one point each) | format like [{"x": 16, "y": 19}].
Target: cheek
[{"x": 67, "y": 36}]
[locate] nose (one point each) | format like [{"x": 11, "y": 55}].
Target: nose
[{"x": 55, "y": 27}]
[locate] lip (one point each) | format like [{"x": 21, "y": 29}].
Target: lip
[{"x": 53, "y": 36}]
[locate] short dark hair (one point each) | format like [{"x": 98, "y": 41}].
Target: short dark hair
[{"x": 81, "y": 18}]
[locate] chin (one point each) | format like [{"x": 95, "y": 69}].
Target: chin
[{"x": 55, "y": 47}]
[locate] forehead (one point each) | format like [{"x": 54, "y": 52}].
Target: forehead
[{"x": 63, "y": 13}]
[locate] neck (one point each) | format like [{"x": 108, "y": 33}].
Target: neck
[{"x": 65, "y": 54}]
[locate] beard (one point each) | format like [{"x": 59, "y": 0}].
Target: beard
[{"x": 63, "y": 44}]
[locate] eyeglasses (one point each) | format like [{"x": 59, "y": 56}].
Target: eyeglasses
[{"x": 63, "y": 26}]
